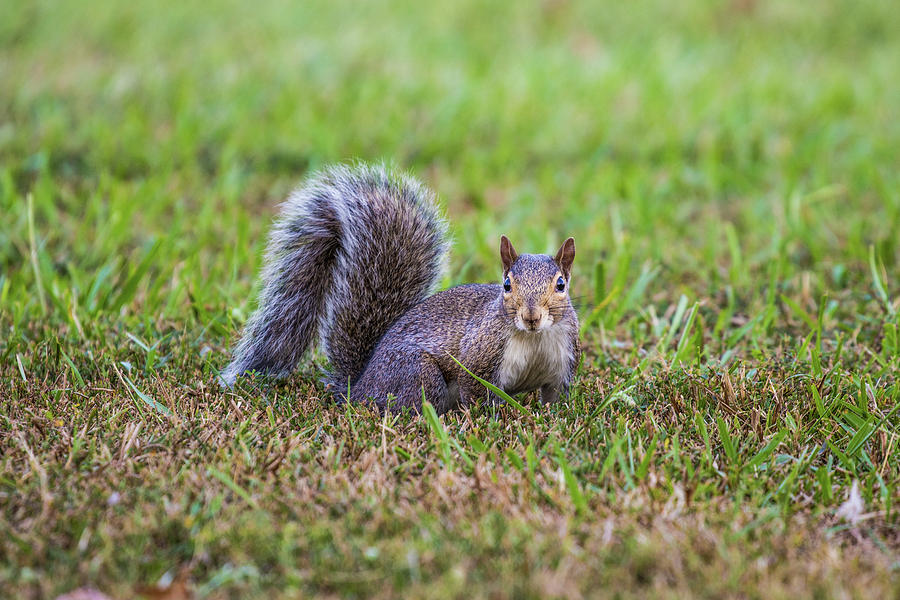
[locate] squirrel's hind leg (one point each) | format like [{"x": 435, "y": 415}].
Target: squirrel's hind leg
[
  {"x": 403, "y": 382},
  {"x": 434, "y": 388},
  {"x": 472, "y": 392},
  {"x": 551, "y": 394}
]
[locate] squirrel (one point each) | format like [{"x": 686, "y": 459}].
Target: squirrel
[{"x": 355, "y": 257}]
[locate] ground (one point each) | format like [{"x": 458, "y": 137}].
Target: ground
[{"x": 728, "y": 169}]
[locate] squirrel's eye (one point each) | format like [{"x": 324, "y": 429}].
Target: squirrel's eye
[
  {"x": 560, "y": 285},
  {"x": 507, "y": 286}
]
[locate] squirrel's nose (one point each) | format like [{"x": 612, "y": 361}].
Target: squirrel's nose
[{"x": 531, "y": 317}]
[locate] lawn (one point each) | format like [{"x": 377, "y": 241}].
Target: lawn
[{"x": 729, "y": 171}]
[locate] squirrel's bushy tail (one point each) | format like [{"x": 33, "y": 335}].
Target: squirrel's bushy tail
[{"x": 353, "y": 249}]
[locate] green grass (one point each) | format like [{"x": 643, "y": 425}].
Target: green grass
[{"x": 729, "y": 171}]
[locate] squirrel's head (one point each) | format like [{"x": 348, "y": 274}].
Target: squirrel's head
[{"x": 536, "y": 286}]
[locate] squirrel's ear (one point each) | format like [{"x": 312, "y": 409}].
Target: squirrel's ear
[
  {"x": 566, "y": 256},
  {"x": 507, "y": 253}
]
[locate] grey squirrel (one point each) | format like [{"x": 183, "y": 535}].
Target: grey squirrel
[{"x": 355, "y": 256}]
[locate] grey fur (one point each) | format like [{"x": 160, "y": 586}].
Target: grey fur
[
  {"x": 332, "y": 266},
  {"x": 355, "y": 254}
]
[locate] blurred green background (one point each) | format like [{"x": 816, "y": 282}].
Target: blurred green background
[
  {"x": 728, "y": 168},
  {"x": 650, "y": 129}
]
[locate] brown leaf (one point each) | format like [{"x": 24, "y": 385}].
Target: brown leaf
[{"x": 178, "y": 589}]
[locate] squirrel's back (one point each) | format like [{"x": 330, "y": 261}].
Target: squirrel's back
[
  {"x": 352, "y": 250},
  {"x": 449, "y": 314}
]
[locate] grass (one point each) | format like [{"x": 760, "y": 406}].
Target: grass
[{"x": 729, "y": 171}]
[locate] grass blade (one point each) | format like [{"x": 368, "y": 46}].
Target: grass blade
[
  {"x": 763, "y": 455},
  {"x": 727, "y": 440},
  {"x": 148, "y": 400},
  {"x": 32, "y": 243},
  {"x": 879, "y": 285},
  {"x": 129, "y": 288},
  {"x": 234, "y": 487},
  {"x": 437, "y": 429},
  {"x": 572, "y": 486},
  {"x": 503, "y": 395}
]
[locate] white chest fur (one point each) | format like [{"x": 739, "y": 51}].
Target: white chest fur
[{"x": 533, "y": 359}]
